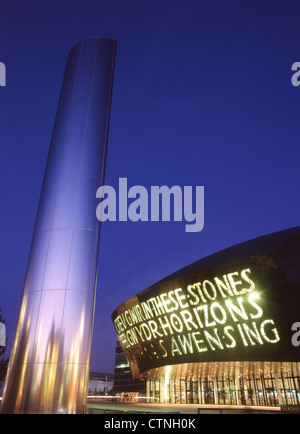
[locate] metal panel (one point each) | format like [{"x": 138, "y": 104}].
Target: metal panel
[{"x": 49, "y": 365}]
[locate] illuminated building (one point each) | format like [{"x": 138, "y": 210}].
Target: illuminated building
[
  {"x": 220, "y": 330},
  {"x": 49, "y": 363},
  {"x": 100, "y": 383}
]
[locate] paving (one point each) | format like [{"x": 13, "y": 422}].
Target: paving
[{"x": 99, "y": 406}]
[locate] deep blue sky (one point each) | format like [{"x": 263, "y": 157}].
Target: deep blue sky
[{"x": 202, "y": 96}]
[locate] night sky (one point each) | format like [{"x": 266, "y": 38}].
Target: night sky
[{"x": 202, "y": 96}]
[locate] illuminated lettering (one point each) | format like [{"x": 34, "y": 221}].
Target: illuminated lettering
[
  {"x": 195, "y": 300},
  {"x": 195, "y": 310},
  {"x": 251, "y": 298},
  {"x": 147, "y": 331},
  {"x": 161, "y": 345},
  {"x": 188, "y": 320},
  {"x": 123, "y": 322},
  {"x": 134, "y": 315},
  {"x": 212, "y": 315},
  {"x": 246, "y": 278},
  {"x": 253, "y": 334},
  {"x": 198, "y": 286},
  {"x": 228, "y": 335},
  {"x": 213, "y": 339},
  {"x": 223, "y": 286},
  {"x": 212, "y": 296},
  {"x": 176, "y": 322},
  {"x": 122, "y": 339},
  {"x": 154, "y": 352},
  {"x": 147, "y": 310},
  {"x": 131, "y": 337},
  {"x": 139, "y": 313},
  {"x": 276, "y": 337},
  {"x": 234, "y": 309},
  {"x": 139, "y": 331},
  {"x": 153, "y": 327},
  {"x": 153, "y": 305},
  {"x": 159, "y": 305},
  {"x": 116, "y": 324},
  {"x": 165, "y": 325},
  {"x": 242, "y": 335},
  {"x": 171, "y": 296},
  {"x": 234, "y": 283},
  {"x": 218, "y": 307},
  {"x": 204, "y": 309},
  {"x": 119, "y": 324},
  {"x": 174, "y": 347},
  {"x": 166, "y": 302},
  {"x": 186, "y": 344},
  {"x": 180, "y": 297},
  {"x": 127, "y": 314},
  {"x": 198, "y": 341}
]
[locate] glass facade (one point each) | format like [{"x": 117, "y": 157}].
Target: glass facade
[
  {"x": 49, "y": 363},
  {"x": 251, "y": 390}
]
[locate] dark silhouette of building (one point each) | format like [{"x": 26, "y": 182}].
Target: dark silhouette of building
[{"x": 124, "y": 386}]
